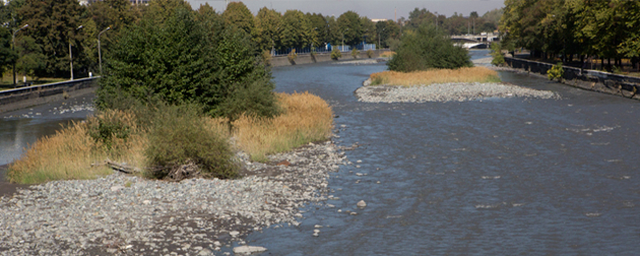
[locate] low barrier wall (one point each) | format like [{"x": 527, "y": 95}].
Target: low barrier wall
[
  {"x": 325, "y": 57},
  {"x": 625, "y": 86},
  {"x": 40, "y": 94}
]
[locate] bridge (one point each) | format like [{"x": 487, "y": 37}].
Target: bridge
[{"x": 475, "y": 41}]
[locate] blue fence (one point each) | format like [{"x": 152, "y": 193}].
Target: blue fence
[{"x": 326, "y": 49}]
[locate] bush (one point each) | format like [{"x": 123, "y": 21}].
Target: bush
[
  {"x": 354, "y": 53},
  {"x": 496, "y": 53},
  {"x": 179, "y": 136},
  {"x": 336, "y": 54},
  {"x": 428, "y": 48},
  {"x": 292, "y": 56},
  {"x": 370, "y": 53},
  {"x": 179, "y": 59},
  {"x": 556, "y": 72}
]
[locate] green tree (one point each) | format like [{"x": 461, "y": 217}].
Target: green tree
[
  {"x": 320, "y": 25},
  {"x": 31, "y": 57},
  {"x": 387, "y": 30},
  {"x": 297, "y": 30},
  {"x": 7, "y": 56},
  {"x": 268, "y": 27},
  {"x": 238, "y": 14},
  {"x": 368, "y": 30},
  {"x": 52, "y": 24},
  {"x": 350, "y": 28},
  {"x": 427, "y": 48},
  {"x": 183, "y": 60}
]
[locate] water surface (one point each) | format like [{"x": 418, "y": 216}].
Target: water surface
[{"x": 492, "y": 177}]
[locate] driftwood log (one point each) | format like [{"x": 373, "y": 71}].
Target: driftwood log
[{"x": 118, "y": 167}]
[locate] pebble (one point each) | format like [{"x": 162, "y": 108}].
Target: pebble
[
  {"x": 103, "y": 216},
  {"x": 361, "y": 204},
  {"x": 447, "y": 92}
]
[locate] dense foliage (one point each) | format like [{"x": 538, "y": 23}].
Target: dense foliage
[
  {"x": 601, "y": 29},
  {"x": 428, "y": 48},
  {"x": 186, "y": 58}
]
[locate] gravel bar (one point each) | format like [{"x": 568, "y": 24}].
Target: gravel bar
[
  {"x": 446, "y": 92},
  {"x": 127, "y": 215}
]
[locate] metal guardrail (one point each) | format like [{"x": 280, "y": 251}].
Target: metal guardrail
[{"x": 40, "y": 87}]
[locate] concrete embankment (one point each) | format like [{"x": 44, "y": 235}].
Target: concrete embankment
[
  {"x": 40, "y": 94},
  {"x": 320, "y": 57},
  {"x": 593, "y": 80}
]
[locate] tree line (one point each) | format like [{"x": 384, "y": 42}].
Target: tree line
[{"x": 583, "y": 29}]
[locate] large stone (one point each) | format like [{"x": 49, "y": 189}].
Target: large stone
[{"x": 248, "y": 249}]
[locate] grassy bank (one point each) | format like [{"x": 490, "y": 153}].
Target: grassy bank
[
  {"x": 137, "y": 140},
  {"x": 435, "y": 76}
]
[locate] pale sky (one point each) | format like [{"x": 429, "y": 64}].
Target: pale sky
[{"x": 374, "y": 9}]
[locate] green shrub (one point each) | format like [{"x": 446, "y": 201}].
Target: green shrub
[
  {"x": 496, "y": 53},
  {"x": 177, "y": 58},
  {"x": 428, "y": 48},
  {"x": 354, "y": 53},
  {"x": 179, "y": 136},
  {"x": 292, "y": 56},
  {"x": 370, "y": 53},
  {"x": 336, "y": 54},
  {"x": 556, "y": 72},
  {"x": 104, "y": 129}
]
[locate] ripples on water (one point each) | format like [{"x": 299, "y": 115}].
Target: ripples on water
[
  {"x": 498, "y": 177},
  {"x": 491, "y": 177}
]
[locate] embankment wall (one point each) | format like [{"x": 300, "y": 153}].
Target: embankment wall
[
  {"x": 593, "y": 80},
  {"x": 324, "y": 57},
  {"x": 40, "y": 94}
]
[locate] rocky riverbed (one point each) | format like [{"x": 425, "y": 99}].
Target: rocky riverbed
[
  {"x": 446, "y": 92},
  {"x": 127, "y": 215}
]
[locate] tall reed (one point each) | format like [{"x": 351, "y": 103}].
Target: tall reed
[
  {"x": 435, "y": 76},
  {"x": 306, "y": 118}
]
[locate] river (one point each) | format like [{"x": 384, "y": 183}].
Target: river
[{"x": 491, "y": 177}]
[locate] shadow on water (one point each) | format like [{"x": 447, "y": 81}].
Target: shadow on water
[{"x": 492, "y": 177}]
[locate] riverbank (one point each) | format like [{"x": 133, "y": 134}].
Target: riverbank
[
  {"x": 123, "y": 214},
  {"x": 445, "y": 92}
]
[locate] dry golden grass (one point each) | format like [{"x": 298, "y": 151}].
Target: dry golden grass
[
  {"x": 70, "y": 153},
  {"x": 387, "y": 54},
  {"x": 435, "y": 76},
  {"x": 306, "y": 118}
]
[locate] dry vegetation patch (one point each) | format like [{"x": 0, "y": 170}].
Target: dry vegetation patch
[
  {"x": 435, "y": 76},
  {"x": 119, "y": 136},
  {"x": 306, "y": 118}
]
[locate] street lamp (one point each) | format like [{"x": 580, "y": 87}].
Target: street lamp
[
  {"x": 70, "y": 53},
  {"x": 99, "y": 52},
  {"x": 13, "y": 45}
]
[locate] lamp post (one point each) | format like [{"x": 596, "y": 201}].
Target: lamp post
[
  {"x": 70, "y": 53},
  {"x": 13, "y": 45},
  {"x": 99, "y": 52}
]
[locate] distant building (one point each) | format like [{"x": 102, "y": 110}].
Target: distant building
[
  {"x": 133, "y": 2},
  {"x": 378, "y": 20}
]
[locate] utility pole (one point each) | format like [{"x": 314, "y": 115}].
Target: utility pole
[{"x": 71, "y": 53}]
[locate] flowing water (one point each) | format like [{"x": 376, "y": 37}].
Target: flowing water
[{"x": 492, "y": 177}]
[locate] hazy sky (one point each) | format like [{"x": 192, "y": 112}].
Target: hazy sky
[{"x": 374, "y": 9}]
